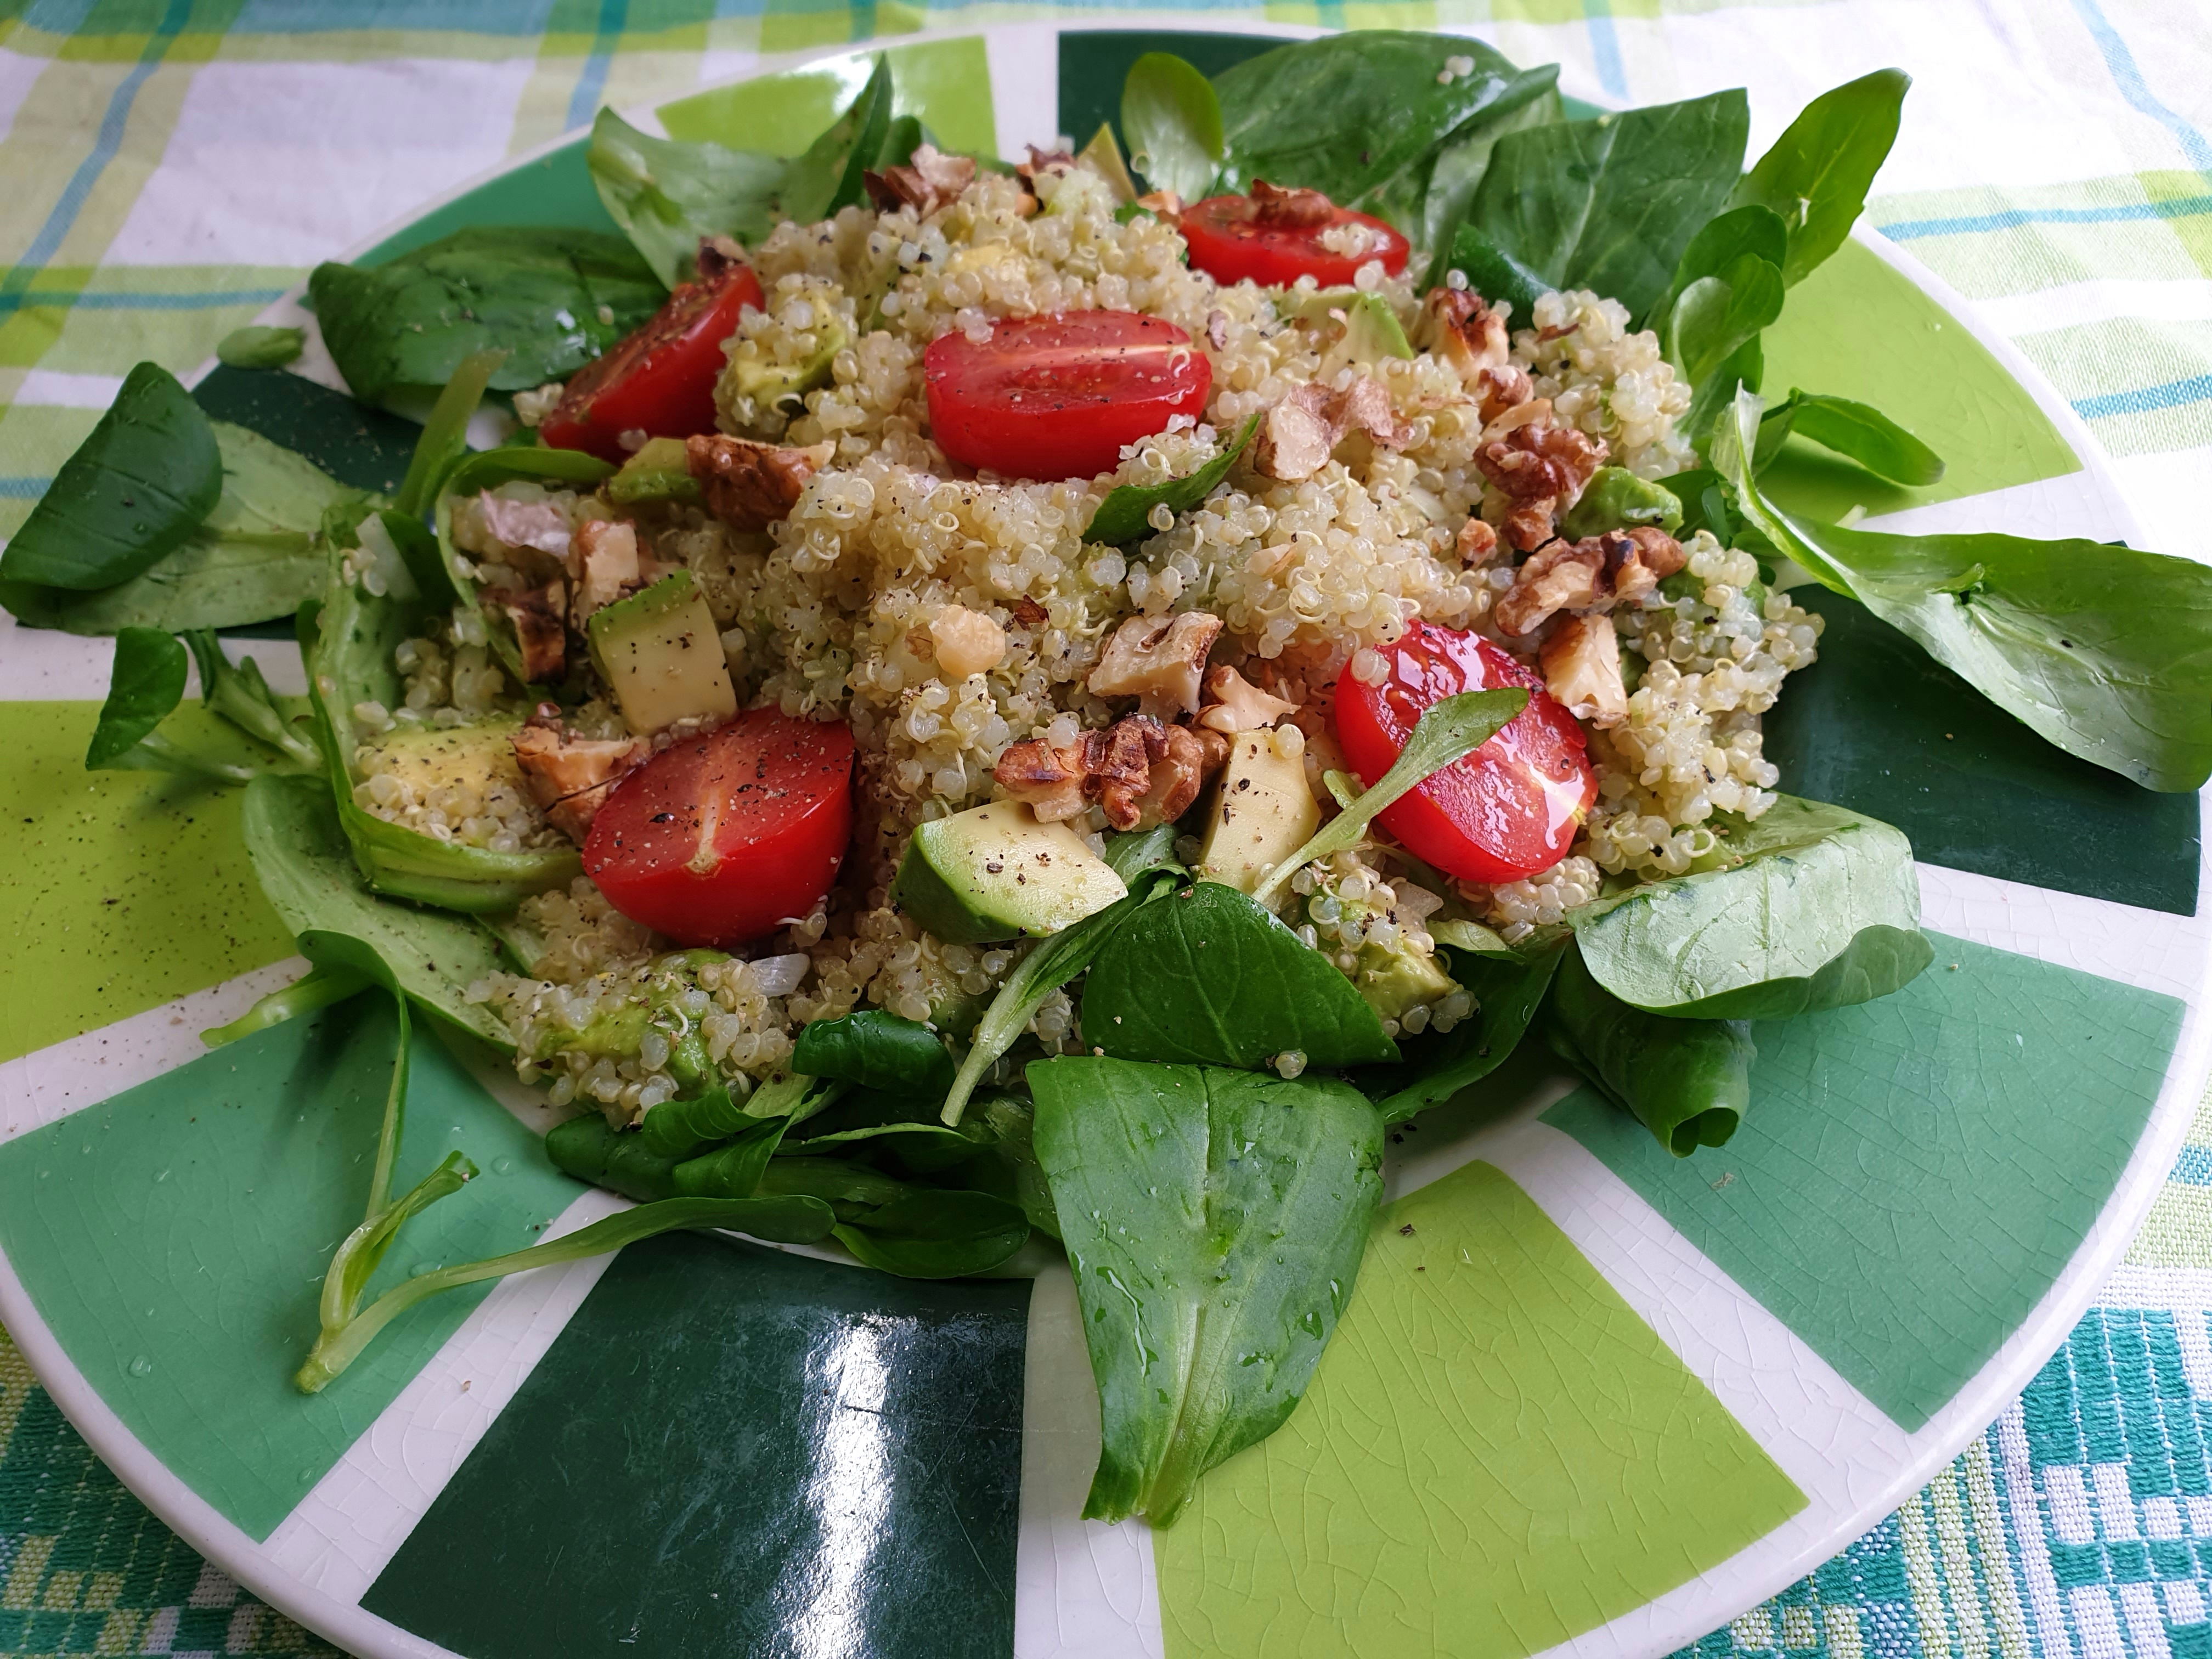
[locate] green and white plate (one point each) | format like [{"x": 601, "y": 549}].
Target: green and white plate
[{"x": 1587, "y": 1399}]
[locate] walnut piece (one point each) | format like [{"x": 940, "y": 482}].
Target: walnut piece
[
  {"x": 1303, "y": 429},
  {"x": 967, "y": 641},
  {"x": 1590, "y": 575},
  {"x": 1460, "y": 328},
  {"x": 541, "y": 629},
  {"x": 1159, "y": 660},
  {"x": 1542, "y": 469},
  {"x": 604, "y": 560},
  {"x": 1637, "y": 560},
  {"x": 1234, "y": 704},
  {"x": 1290, "y": 209},
  {"x": 571, "y": 777},
  {"x": 748, "y": 485},
  {"x": 1140, "y": 772},
  {"x": 538, "y": 525},
  {"x": 1478, "y": 540},
  {"x": 1582, "y": 669},
  {"x": 930, "y": 180}
]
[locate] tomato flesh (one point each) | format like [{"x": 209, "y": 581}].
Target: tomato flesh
[
  {"x": 723, "y": 838},
  {"x": 1230, "y": 244},
  {"x": 660, "y": 379},
  {"x": 1507, "y": 811},
  {"x": 1057, "y": 397}
]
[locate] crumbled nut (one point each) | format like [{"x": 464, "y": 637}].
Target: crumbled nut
[
  {"x": 1158, "y": 661},
  {"x": 571, "y": 777},
  {"x": 1478, "y": 540},
  {"x": 1581, "y": 670},
  {"x": 541, "y": 630},
  {"x": 1542, "y": 469},
  {"x": 1302, "y": 431},
  {"x": 1028, "y": 613},
  {"x": 1164, "y": 202},
  {"x": 929, "y": 180},
  {"x": 1290, "y": 209},
  {"x": 1217, "y": 329},
  {"x": 748, "y": 485},
  {"x": 968, "y": 642},
  {"x": 1561, "y": 576},
  {"x": 604, "y": 559},
  {"x": 1234, "y": 704},
  {"x": 1033, "y": 771},
  {"x": 1639, "y": 559},
  {"x": 1464, "y": 332},
  {"x": 1505, "y": 398},
  {"x": 538, "y": 525},
  {"x": 1140, "y": 772},
  {"x": 1042, "y": 162}
]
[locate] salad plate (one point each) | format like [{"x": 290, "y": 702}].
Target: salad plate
[{"x": 1585, "y": 1398}]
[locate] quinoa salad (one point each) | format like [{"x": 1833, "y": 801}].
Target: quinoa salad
[{"x": 985, "y": 710}]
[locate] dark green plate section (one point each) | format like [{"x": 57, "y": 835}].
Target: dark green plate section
[
  {"x": 1093, "y": 63},
  {"x": 1877, "y": 724},
  {"x": 367, "y": 448},
  {"x": 1914, "y": 1174},
  {"x": 735, "y": 1451},
  {"x": 556, "y": 188},
  {"x": 174, "y": 1239}
]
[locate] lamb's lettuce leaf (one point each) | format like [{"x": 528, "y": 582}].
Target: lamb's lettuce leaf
[
  {"x": 667, "y": 196},
  {"x": 1686, "y": 1080},
  {"x": 1852, "y": 429},
  {"x": 1817, "y": 174},
  {"x": 1173, "y": 120},
  {"x": 1214, "y": 1222},
  {"x": 1126, "y": 513}
]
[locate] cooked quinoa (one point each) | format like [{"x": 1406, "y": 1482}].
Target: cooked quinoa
[{"x": 946, "y": 616}]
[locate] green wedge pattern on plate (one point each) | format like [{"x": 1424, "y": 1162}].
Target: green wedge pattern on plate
[{"x": 1915, "y": 1173}]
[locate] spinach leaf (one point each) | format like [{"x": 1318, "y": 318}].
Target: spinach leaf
[
  {"x": 261, "y": 347},
  {"x": 734, "y": 1168},
  {"x": 553, "y": 299},
  {"x": 876, "y": 1050},
  {"x": 831, "y": 173},
  {"x": 682, "y": 1129},
  {"x": 668, "y": 195},
  {"x": 1814, "y": 907},
  {"x": 1457, "y": 171},
  {"x": 144, "y": 688},
  {"x": 1056, "y": 959},
  {"x": 1686, "y": 1080},
  {"x": 1508, "y": 991},
  {"x": 1172, "y": 118},
  {"x": 1363, "y": 117},
  {"x": 1126, "y": 513},
  {"x": 1214, "y": 1221},
  {"x": 318, "y": 987},
  {"x": 299, "y": 856},
  {"x": 1817, "y": 175},
  {"x": 142, "y": 482},
  {"x": 1704, "y": 497},
  {"x": 1139, "y": 852},
  {"x": 1206, "y": 977},
  {"x": 928, "y": 1233},
  {"x": 2104, "y": 651},
  {"x": 791, "y": 1220},
  {"x": 1858, "y": 430},
  {"x": 1609, "y": 204},
  {"x": 1453, "y": 728},
  {"x": 1721, "y": 240}
]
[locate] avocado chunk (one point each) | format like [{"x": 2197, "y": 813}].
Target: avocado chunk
[
  {"x": 1263, "y": 812},
  {"x": 1616, "y": 499},
  {"x": 660, "y": 472},
  {"x": 661, "y": 656},
  {"x": 755, "y": 398},
  {"x": 993, "y": 872},
  {"x": 1398, "y": 981},
  {"x": 429, "y": 757}
]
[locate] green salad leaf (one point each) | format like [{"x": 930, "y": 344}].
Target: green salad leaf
[
  {"x": 1857, "y": 430},
  {"x": 876, "y": 1050},
  {"x": 145, "y": 686},
  {"x": 143, "y": 480},
  {"x": 1126, "y": 513},
  {"x": 445, "y": 437},
  {"x": 1214, "y": 1222},
  {"x": 240, "y": 696},
  {"x": 928, "y": 1233},
  {"x": 1813, "y": 906},
  {"x": 1689, "y": 1081},
  {"x": 1817, "y": 175},
  {"x": 553, "y": 299},
  {"x": 1172, "y": 117},
  {"x": 668, "y": 195},
  {"x": 1206, "y": 977},
  {"x": 831, "y": 173},
  {"x": 1457, "y": 171},
  {"x": 1608, "y": 203},
  {"x": 259, "y": 346},
  {"x": 1509, "y": 988},
  {"x": 2104, "y": 651}
]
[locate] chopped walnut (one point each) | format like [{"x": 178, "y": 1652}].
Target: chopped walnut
[
  {"x": 930, "y": 180},
  {"x": 1478, "y": 540},
  {"x": 604, "y": 559},
  {"x": 1506, "y": 400},
  {"x": 1290, "y": 209},
  {"x": 1028, "y": 613},
  {"x": 538, "y": 525},
  {"x": 541, "y": 629},
  {"x": 1159, "y": 660},
  {"x": 1302, "y": 431},
  {"x": 571, "y": 777},
  {"x": 1637, "y": 560},
  {"x": 1234, "y": 704},
  {"x": 1164, "y": 202},
  {"x": 1562, "y": 576},
  {"x": 1542, "y": 469},
  {"x": 1460, "y": 328},
  {"x": 748, "y": 485},
  {"x": 1582, "y": 669},
  {"x": 1140, "y": 772},
  {"x": 1217, "y": 329},
  {"x": 1043, "y": 162},
  {"x": 718, "y": 254},
  {"x": 967, "y": 641}
]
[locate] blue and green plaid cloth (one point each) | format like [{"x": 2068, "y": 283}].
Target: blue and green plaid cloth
[{"x": 171, "y": 167}]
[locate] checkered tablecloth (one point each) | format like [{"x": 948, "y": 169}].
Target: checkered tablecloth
[{"x": 167, "y": 168}]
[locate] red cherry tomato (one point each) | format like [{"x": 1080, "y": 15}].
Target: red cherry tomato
[
  {"x": 1057, "y": 397},
  {"x": 660, "y": 379},
  {"x": 1229, "y": 244},
  {"x": 1507, "y": 811},
  {"x": 723, "y": 837}
]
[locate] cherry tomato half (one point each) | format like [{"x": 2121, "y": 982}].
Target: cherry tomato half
[
  {"x": 1057, "y": 397},
  {"x": 1507, "y": 811},
  {"x": 660, "y": 379},
  {"x": 1229, "y": 241},
  {"x": 723, "y": 837}
]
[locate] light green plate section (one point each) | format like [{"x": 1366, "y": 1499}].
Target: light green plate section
[
  {"x": 1496, "y": 1454},
  {"x": 174, "y": 1239},
  {"x": 123, "y": 889},
  {"x": 946, "y": 83},
  {"x": 1857, "y": 328}
]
